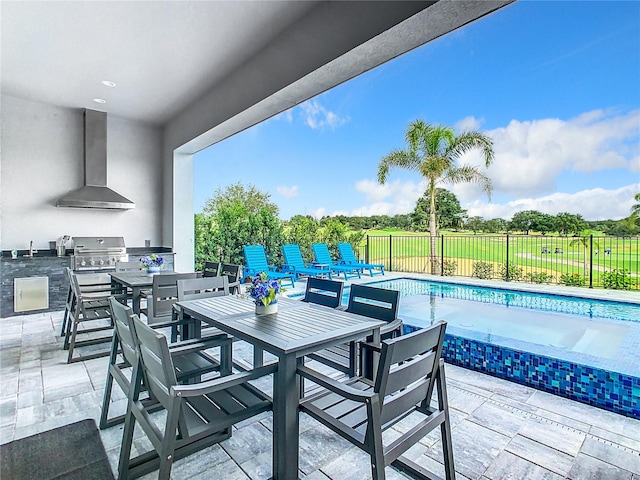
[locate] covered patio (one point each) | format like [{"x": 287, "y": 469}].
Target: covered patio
[
  {"x": 188, "y": 75},
  {"x": 500, "y": 429}
]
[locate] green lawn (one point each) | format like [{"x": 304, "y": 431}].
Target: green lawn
[{"x": 532, "y": 254}]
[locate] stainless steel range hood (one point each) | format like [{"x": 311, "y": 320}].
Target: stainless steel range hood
[{"x": 95, "y": 193}]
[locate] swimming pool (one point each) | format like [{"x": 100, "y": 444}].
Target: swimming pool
[{"x": 587, "y": 350}]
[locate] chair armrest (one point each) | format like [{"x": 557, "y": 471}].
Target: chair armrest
[
  {"x": 370, "y": 346},
  {"x": 391, "y": 326},
  {"x": 330, "y": 384},
  {"x": 197, "y": 344},
  {"x": 288, "y": 268},
  {"x": 222, "y": 383}
]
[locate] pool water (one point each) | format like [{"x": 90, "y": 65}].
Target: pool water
[
  {"x": 602, "y": 333},
  {"x": 583, "y": 349}
]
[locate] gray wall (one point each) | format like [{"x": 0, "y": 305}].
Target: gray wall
[{"x": 42, "y": 159}]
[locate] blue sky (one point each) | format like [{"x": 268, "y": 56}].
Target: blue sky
[{"x": 556, "y": 85}]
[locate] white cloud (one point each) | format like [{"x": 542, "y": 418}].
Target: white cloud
[
  {"x": 287, "y": 116},
  {"x": 287, "y": 192},
  {"x": 402, "y": 197},
  {"x": 317, "y": 213},
  {"x": 592, "y": 204},
  {"x": 317, "y": 116},
  {"x": 530, "y": 155},
  {"x": 468, "y": 123}
]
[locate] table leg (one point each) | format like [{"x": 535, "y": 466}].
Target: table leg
[
  {"x": 377, "y": 339},
  {"x": 135, "y": 294},
  {"x": 258, "y": 357},
  {"x": 285, "y": 420}
]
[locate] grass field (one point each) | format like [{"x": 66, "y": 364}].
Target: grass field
[{"x": 538, "y": 258}]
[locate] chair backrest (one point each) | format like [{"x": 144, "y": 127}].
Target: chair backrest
[
  {"x": 256, "y": 258},
  {"x": 127, "y": 266},
  {"x": 194, "y": 288},
  {"x": 292, "y": 255},
  {"x": 346, "y": 252},
  {"x": 231, "y": 271},
  {"x": 121, "y": 315},
  {"x": 378, "y": 303},
  {"x": 164, "y": 294},
  {"x": 210, "y": 269},
  {"x": 157, "y": 364},
  {"x": 407, "y": 370},
  {"x": 322, "y": 254},
  {"x": 323, "y": 292}
]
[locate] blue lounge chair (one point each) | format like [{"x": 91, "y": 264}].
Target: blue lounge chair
[
  {"x": 256, "y": 262},
  {"x": 294, "y": 263},
  {"x": 348, "y": 257},
  {"x": 323, "y": 257}
]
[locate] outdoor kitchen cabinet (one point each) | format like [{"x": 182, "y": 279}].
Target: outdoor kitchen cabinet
[{"x": 49, "y": 267}]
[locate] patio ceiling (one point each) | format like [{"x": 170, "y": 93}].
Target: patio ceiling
[{"x": 188, "y": 61}]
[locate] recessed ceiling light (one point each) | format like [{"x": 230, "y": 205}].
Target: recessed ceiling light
[
  {"x": 99, "y": 100},
  {"x": 109, "y": 83}
]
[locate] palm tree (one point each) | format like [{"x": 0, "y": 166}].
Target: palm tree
[
  {"x": 433, "y": 152},
  {"x": 584, "y": 240},
  {"x": 634, "y": 218}
]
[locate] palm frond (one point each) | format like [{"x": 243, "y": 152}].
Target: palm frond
[
  {"x": 468, "y": 141},
  {"x": 469, "y": 174},
  {"x": 399, "y": 159}
]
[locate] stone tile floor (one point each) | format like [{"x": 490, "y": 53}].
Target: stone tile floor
[{"x": 501, "y": 430}]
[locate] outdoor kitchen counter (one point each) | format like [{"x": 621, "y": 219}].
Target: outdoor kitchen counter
[
  {"x": 42, "y": 264},
  {"x": 46, "y": 263}
]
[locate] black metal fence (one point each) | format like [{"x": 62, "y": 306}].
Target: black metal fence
[{"x": 604, "y": 262}]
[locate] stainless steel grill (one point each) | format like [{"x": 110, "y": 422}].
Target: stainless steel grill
[{"x": 98, "y": 253}]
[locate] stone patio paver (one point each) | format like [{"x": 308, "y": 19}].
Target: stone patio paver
[{"x": 501, "y": 430}]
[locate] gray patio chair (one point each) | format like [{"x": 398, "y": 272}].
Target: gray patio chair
[
  {"x": 160, "y": 300},
  {"x": 234, "y": 273},
  {"x": 189, "y": 357},
  {"x": 89, "y": 322},
  {"x": 210, "y": 269},
  {"x": 378, "y": 303},
  {"x": 323, "y": 292},
  {"x": 197, "y": 415},
  {"x": 361, "y": 411},
  {"x": 92, "y": 285},
  {"x": 194, "y": 289}
]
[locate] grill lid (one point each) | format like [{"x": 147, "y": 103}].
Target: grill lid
[{"x": 98, "y": 244}]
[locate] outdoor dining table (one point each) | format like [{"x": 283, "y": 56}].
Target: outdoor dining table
[
  {"x": 297, "y": 329},
  {"x": 136, "y": 281}
]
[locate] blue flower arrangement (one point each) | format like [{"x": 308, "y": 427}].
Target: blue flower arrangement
[
  {"x": 152, "y": 260},
  {"x": 263, "y": 290}
]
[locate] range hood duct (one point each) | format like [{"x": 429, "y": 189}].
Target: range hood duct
[{"x": 95, "y": 193}]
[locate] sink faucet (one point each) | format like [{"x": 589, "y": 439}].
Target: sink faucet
[{"x": 31, "y": 249}]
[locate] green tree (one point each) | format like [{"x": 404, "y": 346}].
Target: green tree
[
  {"x": 568, "y": 223},
  {"x": 434, "y": 152},
  {"x": 303, "y": 231},
  {"x": 496, "y": 225},
  {"x": 544, "y": 223},
  {"x": 525, "y": 220},
  {"x": 475, "y": 224},
  {"x": 584, "y": 239},
  {"x": 633, "y": 220},
  {"x": 449, "y": 213},
  {"x": 236, "y": 216}
]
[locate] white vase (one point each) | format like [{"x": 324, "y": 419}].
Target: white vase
[
  {"x": 266, "y": 310},
  {"x": 153, "y": 270}
]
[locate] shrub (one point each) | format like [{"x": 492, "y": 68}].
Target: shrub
[
  {"x": 573, "y": 280},
  {"x": 449, "y": 268},
  {"x": 514, "y": 272},
  {"x": 616, "y": 279},
  {"x": 539, "y": 277},
  {"x": 482, "y": 270}
]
